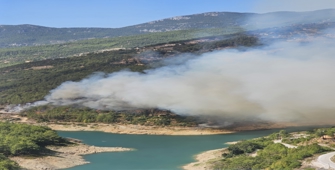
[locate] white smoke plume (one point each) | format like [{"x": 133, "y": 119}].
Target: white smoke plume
[
  {"x": 22, "y": 107},
  {"x": 281, "y": 82}
]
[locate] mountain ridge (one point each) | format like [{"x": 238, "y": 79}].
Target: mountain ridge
[{"x": 33, "y": 35}]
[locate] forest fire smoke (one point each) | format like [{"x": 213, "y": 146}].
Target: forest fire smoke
[{"x": 294, "y": 83}]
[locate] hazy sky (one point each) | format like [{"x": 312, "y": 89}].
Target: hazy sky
[{"x": 119, "y": 13}]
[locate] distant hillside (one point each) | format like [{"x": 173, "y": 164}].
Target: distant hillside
[
  {"x": 296, "y": 32},
  {"x": 29, "y": 35},
  {"x": 12, "y": 56}
]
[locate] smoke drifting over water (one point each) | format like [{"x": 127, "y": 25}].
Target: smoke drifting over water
[{"x": 282, "y": 82}]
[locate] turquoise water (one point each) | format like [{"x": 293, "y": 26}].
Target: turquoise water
[{"x": 156, "y": 152}]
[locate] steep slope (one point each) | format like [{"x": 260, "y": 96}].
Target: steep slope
[{"x": 29, "y": 82}]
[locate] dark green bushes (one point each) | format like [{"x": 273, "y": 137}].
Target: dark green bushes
[
  {"x": 243, "y": 147},
  {"x": 85, "y": 115},
  {"x": 269, "y": 156},
  {"x": 7, "y": 164},
  {"x": 23, "y": 139}
]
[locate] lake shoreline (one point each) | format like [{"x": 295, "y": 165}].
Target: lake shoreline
[
  {"x": 132, "y": 129},
  {"x": 125, "y": 128},
  {"x": 204, "y": 159},
  {"x": 63, "y": 157},
  {"x": 153, "y": 130},
  {"x": 138, "y": 129}
]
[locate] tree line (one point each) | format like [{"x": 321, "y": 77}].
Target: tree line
[{"x": 149, "y": 117}]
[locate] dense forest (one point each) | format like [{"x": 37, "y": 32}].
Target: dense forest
[
  {"x": 272, "y": 155},
  {"x": 22, "y": 139}
]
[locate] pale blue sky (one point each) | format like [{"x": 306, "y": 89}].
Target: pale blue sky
[{"x": 120, "y": 13}]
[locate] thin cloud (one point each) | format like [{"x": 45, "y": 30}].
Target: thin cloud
[{"x": 264, "y": 6}]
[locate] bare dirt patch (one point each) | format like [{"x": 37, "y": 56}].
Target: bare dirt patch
[
  {"x": 42, "y": 67},
  {"x": 205, "y": 159}
]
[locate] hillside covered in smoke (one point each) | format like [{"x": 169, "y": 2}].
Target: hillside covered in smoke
[
  {"x": 280, "y": 74},
  {"x": 282, "y": 82}
]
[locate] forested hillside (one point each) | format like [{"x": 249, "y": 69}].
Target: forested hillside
[
  {"x": 32, "y": 35},
  {"x": 12, "y": 56},
  {"x": 30, "y": 82}
]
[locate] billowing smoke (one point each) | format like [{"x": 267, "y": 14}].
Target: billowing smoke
[
  {"x": 281, "y": 82},
  {"x": 19, "y": 108}
]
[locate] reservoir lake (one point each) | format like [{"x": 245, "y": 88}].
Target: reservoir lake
[{"x": 155, "y": 152}]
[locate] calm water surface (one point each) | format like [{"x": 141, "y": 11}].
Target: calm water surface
[{"x": 156, "y": 152}]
